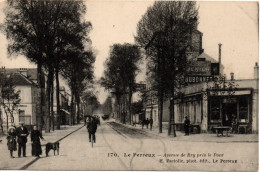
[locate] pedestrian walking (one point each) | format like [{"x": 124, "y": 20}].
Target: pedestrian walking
[
  {"x": 22, "y": 134},
  {"x": 11, "y": 141},
  {"x": 187, "y": 126},
  {"x": 36, "y": 143},
  {"x": 147, "y": 123},
  {"x": 151, "y": 123},
  {"x": 92, "y": 128}
]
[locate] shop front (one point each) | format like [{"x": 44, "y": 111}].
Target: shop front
[
  {"x": 232, "y": 111},
  {"x": 237, "y": 110}
]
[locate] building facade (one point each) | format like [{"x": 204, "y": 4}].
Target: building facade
[
  {"x": 26, "y": 81},
  {"x": 28, "y": 107},
  {"x": 211, "y": 108}
]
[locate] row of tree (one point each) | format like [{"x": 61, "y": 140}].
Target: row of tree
[
  {"x": 53, "y": 35},
  {"x": 165, "y": 33},
  {"x": 121, "y": 69}
]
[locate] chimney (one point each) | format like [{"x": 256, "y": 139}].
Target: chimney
[
  {"x": 219, "y": 57},
  {"x": 23, "y": 71},
  {"x": 232, "y": 76},
  {"x": 3, "y": 69},
  {"x": 256, "y": 69}
]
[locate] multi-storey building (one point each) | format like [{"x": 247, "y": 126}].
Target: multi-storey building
[
  {"x": 29, "y": 95},
  {"x": 26, "y": 80}
]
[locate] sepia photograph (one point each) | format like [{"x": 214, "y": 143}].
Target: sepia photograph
[{"x": 128, "y": 85}]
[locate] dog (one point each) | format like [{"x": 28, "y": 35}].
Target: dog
[{"x": 54, "y": 146}]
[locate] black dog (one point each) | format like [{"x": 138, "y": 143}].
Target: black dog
[{"x": 55, "y": 146}]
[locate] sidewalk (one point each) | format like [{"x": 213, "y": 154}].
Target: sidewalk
[
  {"x": 7, "y": 163},
  {"x": 202, "y": 137}
]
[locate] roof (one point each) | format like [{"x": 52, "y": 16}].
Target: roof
[
  {"x": 31, "y": 72},
  {"x": 19, "y": 79},
  {"x": 207, "y": 58}
]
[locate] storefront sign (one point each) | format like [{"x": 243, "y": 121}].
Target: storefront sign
[
  {"x": 229, "y": 100},
  {"x": 201, "y": 71},
  {"x": 197, "y": 79},
  {"x": 199, "y": 68}
]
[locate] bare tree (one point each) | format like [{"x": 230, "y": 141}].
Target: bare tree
[{"x": 165, "y": 30}]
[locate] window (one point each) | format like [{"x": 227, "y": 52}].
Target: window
[
  {"x": 21, "y": 113},
  {"x": 23, "y": 118},
  {"x": 215, "y": 109}
]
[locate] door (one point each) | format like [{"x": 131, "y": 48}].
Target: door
[{"x": 229, "y": 112}]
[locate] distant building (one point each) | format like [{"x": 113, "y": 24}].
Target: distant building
[
  {"x": 26, "y": 80},
  {"x": 29, "y": 95}
]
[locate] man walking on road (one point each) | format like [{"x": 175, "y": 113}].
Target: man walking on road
[
  {"x": 22, "y": 134},
  {"x": 92, "y": 128}
]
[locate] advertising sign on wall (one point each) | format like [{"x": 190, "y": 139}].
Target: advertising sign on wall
[{"x": 201, "y": 71}]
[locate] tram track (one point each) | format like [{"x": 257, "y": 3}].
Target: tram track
[
  {"x": 139, "y": 149},
  {"x": 110, "y": 147}
]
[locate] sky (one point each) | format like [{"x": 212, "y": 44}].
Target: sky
[{"x": 234, "y": 24}]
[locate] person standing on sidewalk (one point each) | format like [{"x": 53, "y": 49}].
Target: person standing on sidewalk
[
  {"x": 11, "y": 141},
  {"x": 147, "y": 123},
  {"x": 22, "y": 134},
  {"x": 143, "y": 123},
  {"x": 151, "y": 123},
  {"x": 187, "y": 126},
  {"x": 36, "y": 143}
]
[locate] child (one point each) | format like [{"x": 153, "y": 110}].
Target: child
[{"x": 11, "y": 141}]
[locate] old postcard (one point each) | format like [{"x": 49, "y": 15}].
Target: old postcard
[{"x": 129, "y": 85}]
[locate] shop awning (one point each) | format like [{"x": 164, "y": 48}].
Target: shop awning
[{"x": 237, "y": 92}]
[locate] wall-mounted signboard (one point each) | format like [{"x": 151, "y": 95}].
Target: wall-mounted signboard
[
  {"x": 197, "y": 79},
  {"x": 201, "y": 71},
  {"x": 199, "y": 68}
]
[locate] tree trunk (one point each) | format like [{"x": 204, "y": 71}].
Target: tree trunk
[
  {"x": 57, "y": 99},
  {"x": 52, "y": 103},
  {"x": 1, "y": 124},
  {"x": 41, "y": 81},
  {"x": 7, "y": 120},
  {"x": 49, "y": 85},
  {"x": 78, "y": 109},
  {"x": 160, "y": 88},
  {"x": 130, "y": 107},
  {"x": 160, "y": 112},
  {"x": 72, "y": 108},
  {"x": 171, "y": 128},
  {"x": 7, "y": 125}
]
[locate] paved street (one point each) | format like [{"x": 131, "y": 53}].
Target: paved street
[{"x": 146, "y": 152}]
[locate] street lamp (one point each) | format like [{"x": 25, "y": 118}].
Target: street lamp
[{"x": 172, "y": 121}]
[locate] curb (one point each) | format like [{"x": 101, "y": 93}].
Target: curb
[
  {"x": 172, "y": 138},
  {"x": 34, "y": 160}
]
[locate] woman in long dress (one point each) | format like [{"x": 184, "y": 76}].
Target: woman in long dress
[
  {"x": 36, "y": 143},
  {"x": 11, "y": 141}
]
